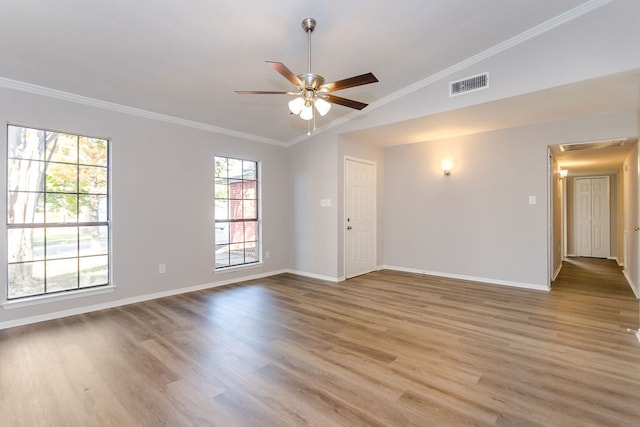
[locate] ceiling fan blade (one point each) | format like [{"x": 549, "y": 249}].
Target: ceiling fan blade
[
  {"x": 363, "y": 79},
  {"x": 263, "y": 92},
  {"x": 286, "y": 73},
  {"x": 343, "y": 101}
]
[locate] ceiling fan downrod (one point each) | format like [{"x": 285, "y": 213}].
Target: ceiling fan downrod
[{"x": 309, "y": 24}]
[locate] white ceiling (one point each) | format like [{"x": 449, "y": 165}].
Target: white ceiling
[{"x": 185, "y": 58}]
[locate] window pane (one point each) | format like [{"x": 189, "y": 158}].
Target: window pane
[
  {"x": 25, "y": 208},
  {"x": 250, "y": 209},
  {"x": 94, "y": 240},
  {"x": 235, "y": 189},
  {"x": 94, "y": 271},
  {"x": 25, "y": 143},
  {"x": 234, "y": 168},
  {"x": 250, "y": 252},
  {"x": 25, "y": 175},
  {"x": 62, "y": 274},
  {"x": 222, "y": 188},
  {"x": 222, "y": 232},
  {"x": 92, "y": 151},
  {"x": 249, "y": 190},
  {"x": 62, "y": 242},
  {"x": 25, "y": 244},
  {"x": 236, "y": 253},
  {"x": 222, "y": 210},
  {"x": 62, "y": 147},
  {"x": 61, "y": 208},
  {"x": 235, "y": 209},
  {"x": 26, "y": 279},
  {"x": 61, "y": 178},
  {"x": 250, "y": 231},
  {"x": 237, "y": 232},
  {"x": 248, "y": 170},
  {"x": 92, "y": 179},
  {"x": 92, "y": 208},
  {"x": 222, "y": 256},
  {"x": 221, "y": 167}
]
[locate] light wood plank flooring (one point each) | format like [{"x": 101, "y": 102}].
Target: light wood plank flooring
[{"x": 383, "y": 349}]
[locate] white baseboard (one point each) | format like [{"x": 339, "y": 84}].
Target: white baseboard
[
  {"x": 532, "y": 286},
  {"x": 555, "y": 274},
  {"x": 316, "y": 276},
  {"x": 132, "y": 300},
  {"x": 634, "y": 288}
]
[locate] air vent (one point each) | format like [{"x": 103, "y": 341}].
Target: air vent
[
  {"x": 592, "y": 145},
  {"x": 469, "y": 84}
]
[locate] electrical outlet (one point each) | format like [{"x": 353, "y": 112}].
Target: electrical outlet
[
  {"x": 162, "y": 268},
  {"x": 267, "y": 254}
]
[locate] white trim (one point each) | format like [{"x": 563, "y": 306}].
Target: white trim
[
  {"x": 62, "y": 296},
  {"x": 638, "y": 334},
  {"x": 485, "y": 280},
  {"x": 555, "y": 274},
  {"x": 132, "y": 300},
  {"x": 118, "y": 108},
  {"x": 625, "y": 273},
  {"x": 316, "y": 276}
]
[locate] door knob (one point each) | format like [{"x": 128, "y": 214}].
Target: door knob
[
  {"x": 637, "y": 228},
  {"x": 349, "y": 227}
]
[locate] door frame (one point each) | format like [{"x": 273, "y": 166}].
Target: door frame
[{"x": 344, "y": 211}]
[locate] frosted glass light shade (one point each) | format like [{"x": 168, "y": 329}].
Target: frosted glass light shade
[
  {"x": 322, "y": 106},
  {"x": 295, "y": 105},
  {"x": 306, "y": 113}
]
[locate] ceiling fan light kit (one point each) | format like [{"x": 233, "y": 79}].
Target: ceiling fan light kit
[{"x": 312, "y": 92}]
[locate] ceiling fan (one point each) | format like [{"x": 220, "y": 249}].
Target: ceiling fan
[{"x": 312, "y": 91}]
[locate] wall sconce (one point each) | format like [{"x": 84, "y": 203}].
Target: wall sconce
[
  {"x": 562, "y": 174},
  {"x": 446, "y": 167}
]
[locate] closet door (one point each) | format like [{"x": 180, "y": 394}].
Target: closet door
[{"x": 592, "y": 217}]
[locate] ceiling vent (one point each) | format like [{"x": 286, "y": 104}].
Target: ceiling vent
[
  {"x": 470, "y": 84},
  {"x": 592, "y": 145}
]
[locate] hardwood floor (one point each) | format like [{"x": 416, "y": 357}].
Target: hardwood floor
[{"x": 386, "y": 348}]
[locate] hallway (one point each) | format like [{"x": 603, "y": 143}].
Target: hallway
[{"x": 594, "y": 292}]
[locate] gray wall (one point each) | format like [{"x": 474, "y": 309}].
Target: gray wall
[
  {"x": 162, "y": 199},
  {"x": 478, "y": 222}
]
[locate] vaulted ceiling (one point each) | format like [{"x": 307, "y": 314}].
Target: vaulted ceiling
[{"x": 183, "y": 59}]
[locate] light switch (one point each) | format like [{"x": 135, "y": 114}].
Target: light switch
[{"x": 532, "y": 200}]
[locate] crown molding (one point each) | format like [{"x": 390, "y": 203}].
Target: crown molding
[{"x": 118, "y": 108}]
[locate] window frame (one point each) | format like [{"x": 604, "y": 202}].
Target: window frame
[
  {"x": 43, "y": 192},
  {"x": 257, "y": 219}
]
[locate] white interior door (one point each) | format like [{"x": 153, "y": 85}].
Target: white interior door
[
  {"x": 592, "y": 217},
  {"x": 360, "y": 217}
]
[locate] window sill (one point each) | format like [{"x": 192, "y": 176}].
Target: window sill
[
  {"x": 44, "y": 299},
  {"x": 239, "y": 267}
]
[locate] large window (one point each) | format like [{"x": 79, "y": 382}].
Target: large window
[
  {"x": 57, "y": 212},
  {"x": 236, "y": 213}
]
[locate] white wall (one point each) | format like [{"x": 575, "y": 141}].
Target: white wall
[
  {"x": 478, "y": 222},
  {"x": 162, "y": 189},
  {"x": 630, "y": 183}
]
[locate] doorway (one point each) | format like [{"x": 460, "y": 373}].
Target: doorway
[{"x": 360, "y": 217}]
